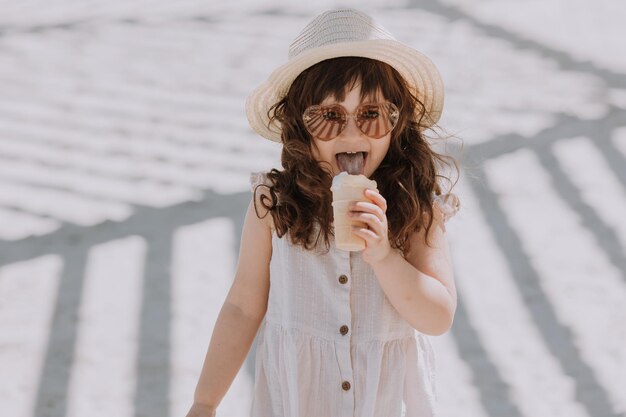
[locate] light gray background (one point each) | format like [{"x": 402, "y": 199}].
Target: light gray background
[{"x": 124, "y": 164}]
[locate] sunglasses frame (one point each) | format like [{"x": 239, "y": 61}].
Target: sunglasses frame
[{"x": 394, "y": 116}]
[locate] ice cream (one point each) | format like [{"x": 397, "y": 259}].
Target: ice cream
[{"x": 347, "y": 188}]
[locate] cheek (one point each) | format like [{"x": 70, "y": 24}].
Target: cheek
[
  {"x": 325, "y": 159},
  {"x": 315, "y": 153},
  {"x": 379, "y": 149},
  {"x": 321, "y": 152}
]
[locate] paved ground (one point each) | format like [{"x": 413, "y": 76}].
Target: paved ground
[{"x": 124, "y": 159}]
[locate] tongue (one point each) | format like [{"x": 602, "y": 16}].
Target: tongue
[{"x": 352, "y": 163}]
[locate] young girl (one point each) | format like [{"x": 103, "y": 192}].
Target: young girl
[{"x": 341, "y": 333}]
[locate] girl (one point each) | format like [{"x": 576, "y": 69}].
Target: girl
[{"x": 340, "y": 333}]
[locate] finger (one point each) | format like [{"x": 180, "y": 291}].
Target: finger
[
  {"x": 372, "y": 225},
  {"x": 377, "y": 197},
  {"x": 363, "y": 206},
  {"x": 369, "y": 236},
  {"x": 371, "y": 220}
]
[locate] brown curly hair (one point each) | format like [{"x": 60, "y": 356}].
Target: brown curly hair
[{"x": 299, "y": 197}]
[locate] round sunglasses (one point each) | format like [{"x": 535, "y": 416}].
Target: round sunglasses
[{"x": 327, "y": 122}]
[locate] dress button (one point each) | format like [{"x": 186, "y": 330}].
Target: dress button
[
  {"x": 343, "y": 279},
  {"x": 345, "y": 385},
  {"x": 343, "y": 330}
]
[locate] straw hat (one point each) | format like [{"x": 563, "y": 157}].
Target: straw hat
[{"x": 339, "y": 33}]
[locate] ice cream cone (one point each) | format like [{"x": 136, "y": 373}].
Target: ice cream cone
[{"x": 347, "y": 188}]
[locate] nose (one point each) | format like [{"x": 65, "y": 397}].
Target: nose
[{"x": 351, "y": 130}]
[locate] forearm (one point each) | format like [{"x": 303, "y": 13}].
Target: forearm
[
  {"x": 230, "y": 343},
  {"x": 423, "y": 301}
]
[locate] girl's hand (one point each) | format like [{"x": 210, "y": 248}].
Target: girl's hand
[
  {"x": 201, "y": 410},
  {"x": 376, "y": 234}
]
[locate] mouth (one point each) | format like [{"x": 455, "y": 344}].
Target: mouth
[{"x": 351, "y": 162}]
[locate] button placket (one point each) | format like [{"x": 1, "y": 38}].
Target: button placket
[{"x": 343, "y": 344}]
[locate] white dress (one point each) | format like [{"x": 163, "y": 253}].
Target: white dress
[{"x": 332, "y": 345}]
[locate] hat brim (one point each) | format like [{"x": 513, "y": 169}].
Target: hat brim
[{"x": 416, "y": 68}]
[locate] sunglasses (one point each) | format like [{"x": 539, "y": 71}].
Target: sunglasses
[{"x": 375, "y": 120}]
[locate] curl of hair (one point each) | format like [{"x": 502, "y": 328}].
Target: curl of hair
[{"x": 300, "y": 198}]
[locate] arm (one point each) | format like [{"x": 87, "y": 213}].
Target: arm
[
  {"x": 239, "y": 318},
  {"x": 420, "y": 287}
]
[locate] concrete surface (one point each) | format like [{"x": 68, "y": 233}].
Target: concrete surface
[{"x": 124, "y": 163}]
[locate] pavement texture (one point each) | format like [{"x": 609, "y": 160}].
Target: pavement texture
[{"x": 124, "y": 164}]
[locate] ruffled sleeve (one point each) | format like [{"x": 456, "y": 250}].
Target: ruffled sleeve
[
  {"x": 449, "y": 204},
  {"x": 258, "y": 178},
  {"x": 261, "y": 178}
]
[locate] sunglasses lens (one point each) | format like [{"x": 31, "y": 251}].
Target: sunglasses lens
[
  {"x": 376, "y": 120},
  {"x": 324, "y": 122}
]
